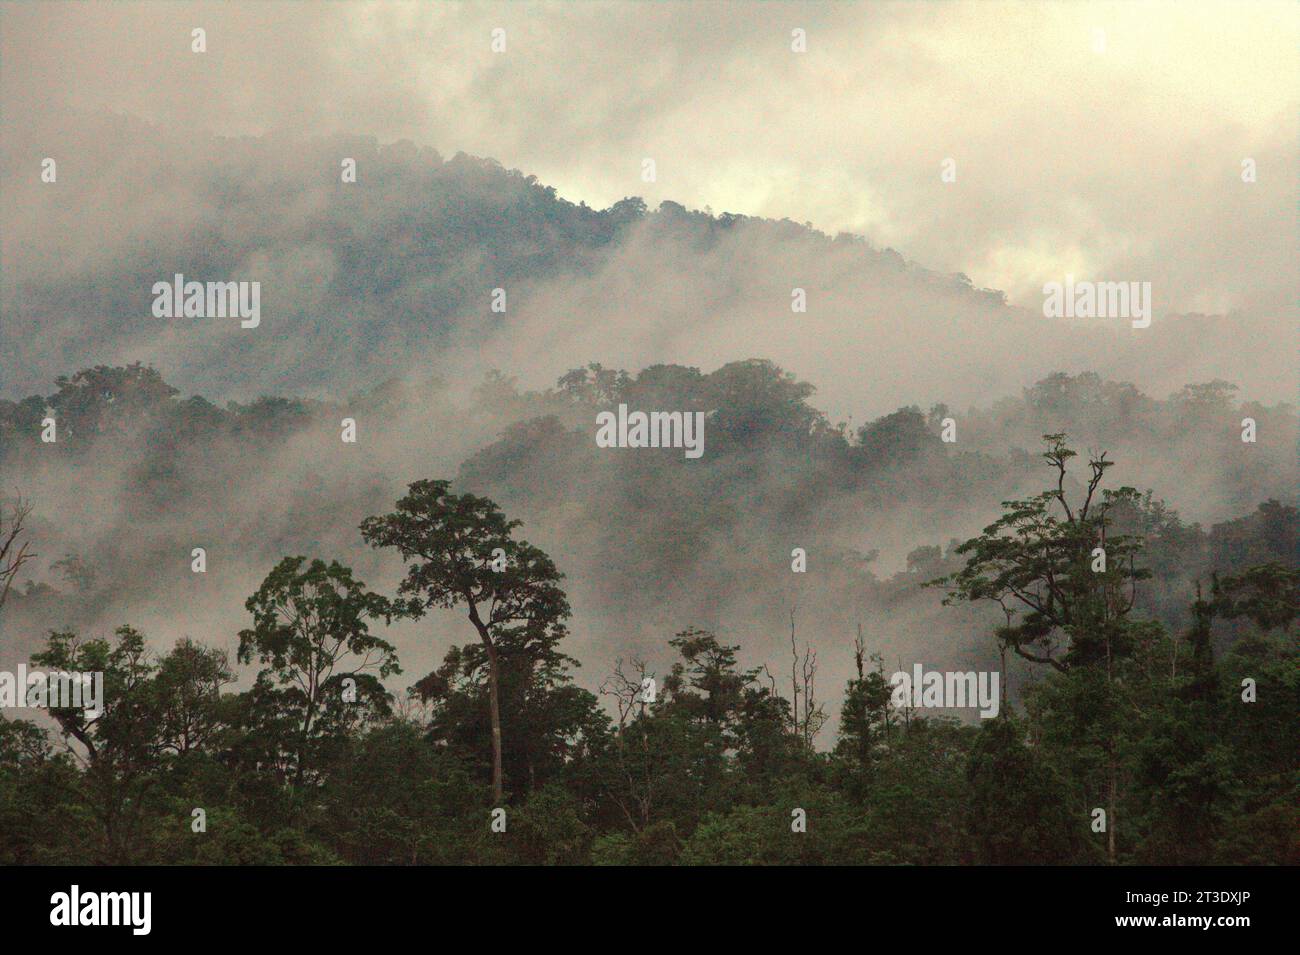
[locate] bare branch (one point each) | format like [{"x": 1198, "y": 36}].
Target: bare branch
[{"x": 13, "y": 551}]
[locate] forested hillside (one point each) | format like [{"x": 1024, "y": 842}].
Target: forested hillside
[
  {"x": 396, "y": 274},
  {"x": 320, "y": 695}
]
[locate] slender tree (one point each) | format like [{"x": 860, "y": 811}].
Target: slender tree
[
  {"x": 1065, "y": 581},
  {"x": 462, "y": 553}
]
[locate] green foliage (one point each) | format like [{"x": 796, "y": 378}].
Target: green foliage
[
  {"x": 322, "y": 668},
  {"x": 1138, "y": 707},
  {"x": 548, "y": 829},
  {"x": 710, "y": 773},
  {"x": 1016, "y": 805},
  {"x": 464, "y": 553},
  {"x": 1268, "y": 594},
  {"x": 1042, "y": 562}
]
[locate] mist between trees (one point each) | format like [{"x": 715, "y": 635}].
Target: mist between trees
[{"x": 408, "y": 661}]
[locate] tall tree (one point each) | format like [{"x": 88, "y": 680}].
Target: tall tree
[
  {"x": 463, "y": 553},
  {"x": 1065, "y": 583},
  {"x": 119, "y": 737},
  {"x": 311, "y": 630}
]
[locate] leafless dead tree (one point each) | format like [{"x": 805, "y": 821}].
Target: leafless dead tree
[
  {"x": 14, "y": 544},
  {"x": 636, "y": 768},
  {"x": 803, "y": 684}
]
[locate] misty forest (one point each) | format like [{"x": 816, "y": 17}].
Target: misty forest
[
  {"x": 464, "y": 633},
  {"x": 305, "y": 739}
]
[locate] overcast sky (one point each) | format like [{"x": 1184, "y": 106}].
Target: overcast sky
[{"x": 1114, "y": 155}]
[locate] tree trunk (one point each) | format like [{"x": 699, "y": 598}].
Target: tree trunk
[
  {"x": 494, "y": 704},
  {"x": 1110, "y": 757},
  {"x": 1110, "y": 814},
  {"x": 494, "y": 696}
]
